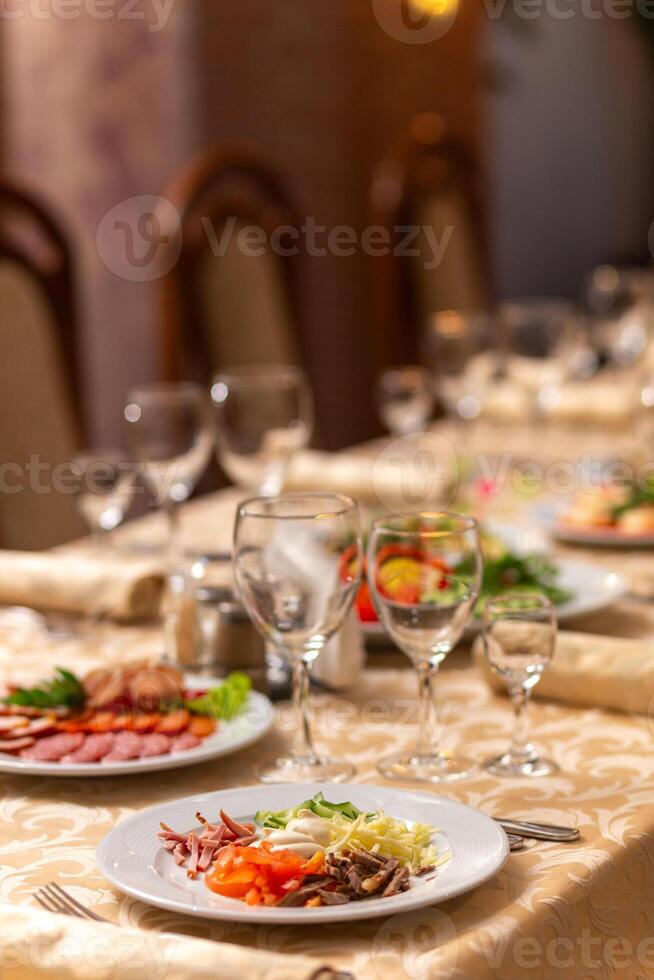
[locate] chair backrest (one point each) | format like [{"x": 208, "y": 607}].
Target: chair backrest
[
  {"x": 230, "y": 298},
  {"x": 424, "y": 194},
  {"x": 40, "y": 418}
]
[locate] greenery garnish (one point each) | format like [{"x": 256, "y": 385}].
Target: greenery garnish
[
  {"x": 223, "y": 702},
  {"x": 64, "y": 691}
]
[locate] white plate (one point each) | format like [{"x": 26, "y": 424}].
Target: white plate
[
  {"x": 592, "y": 588},
  {"x": 604, "y": 537},
  {"x": 132, "y": 858},
  {"x": 248, "y": 727}
]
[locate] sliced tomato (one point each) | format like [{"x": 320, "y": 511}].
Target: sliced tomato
[
  {"x": 234, "y": 885},
  {"x": 175, "y": 723},
  {"x": 201, "y": 726},
  {"x": 364, "y": 605}
]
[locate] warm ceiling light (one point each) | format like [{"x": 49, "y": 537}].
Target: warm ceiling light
[{"x": 439, "y": 8}]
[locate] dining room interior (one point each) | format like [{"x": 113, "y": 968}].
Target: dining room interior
[{"x": 326, "y": 489}]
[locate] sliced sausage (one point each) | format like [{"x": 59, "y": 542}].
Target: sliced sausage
[
  {"x": 127, "y": 745},
  {"x": 11, "y": 723},
  {"x": 184, "y": 742},
  {"x": 155, "y": 744},
  {"x": 93, "y": 748},
  {"x": 53, "y": 747},
  {"x": 15, "y": 745}
]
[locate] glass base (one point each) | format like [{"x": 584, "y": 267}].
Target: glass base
[
  {"x": 436, "y": 767},
  {"x": 511, "y": 765},
  {"x": 311, "y": 769}
]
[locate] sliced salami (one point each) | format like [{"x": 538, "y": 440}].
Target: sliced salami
[
  {"x": 53, "y": 747},
  {"x": 184, "y": 742},
  {"x": 93, "y": 749},
  {"x": 155, "y": 744}
]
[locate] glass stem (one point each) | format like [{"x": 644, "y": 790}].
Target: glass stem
[
  {"x": 428, "y": 735},
  {"x": 520, "y": 737},
  {"x": 303, "y": 743},
  {"x": 171, "y": 510}
]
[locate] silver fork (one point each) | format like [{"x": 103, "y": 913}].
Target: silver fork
[{"x": 53, "y": 898}]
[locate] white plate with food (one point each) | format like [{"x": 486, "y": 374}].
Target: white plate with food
[
  {"x": 599, "y": 520},
  {"x": 127, "y": 721},
  {"x": 304, "y": 856}
]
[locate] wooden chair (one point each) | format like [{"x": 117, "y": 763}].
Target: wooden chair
[
  {"x": 223, "y": 304},
  {"x": 40, "y": 417},
  {"x": 427, "y": 181}
]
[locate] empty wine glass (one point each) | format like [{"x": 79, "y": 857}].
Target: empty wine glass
[
  {"x": 292, "y": 565},
  {"x": 104, "y": 491},
  {"x": 169, "y": 434},
  {"x": 461, "y": 348},
  {"x": 406, "y": 399},
  {"x": 263, "y": 416},
  {"x": 424, "y": 572},
  {"x": 519, "y": 638}
]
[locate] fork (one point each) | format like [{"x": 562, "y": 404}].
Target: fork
[{"x": 53, "y": 898}]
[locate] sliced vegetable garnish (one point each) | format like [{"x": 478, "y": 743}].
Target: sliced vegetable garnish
[
  {"x": 318, "y": 805},
  {"x": 225, "y": 701}
]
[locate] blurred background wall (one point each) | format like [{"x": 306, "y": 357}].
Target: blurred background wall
[
  {"x": 569, "y": 129},
  {"x": 325, "y": 91}
]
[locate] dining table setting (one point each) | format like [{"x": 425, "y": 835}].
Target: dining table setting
[{"x": 372, "y": 714}]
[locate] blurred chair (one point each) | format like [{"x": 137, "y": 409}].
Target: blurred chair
[
  {"x": 40, "y": 419},
  {"x": 230, "y": 299},
  {"x": 427, "y": 181}
]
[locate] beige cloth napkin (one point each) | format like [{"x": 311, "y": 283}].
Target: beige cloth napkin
[
  {"x": 411, "y": 470},
  {"x": 123, "y": 588},
  {"x": 37, "y": 944},
  {"x": 594, "y": 671}
]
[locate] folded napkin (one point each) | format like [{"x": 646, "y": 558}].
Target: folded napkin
[
  {"x": 341, "y": 663},
  {"x": 410, "y": 470},
  {"x": 36, "y": 945},
  {"x": 593, "y": 671},
  {"x": 123, "y": 588}
]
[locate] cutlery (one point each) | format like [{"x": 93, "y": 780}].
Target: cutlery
[
  {"x": 515, "y": 843},
  {"x": 538, "y": 831},
  {"x": 53, "y": 898}
]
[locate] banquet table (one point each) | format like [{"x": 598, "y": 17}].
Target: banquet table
[{"x": 576, "y": 910}]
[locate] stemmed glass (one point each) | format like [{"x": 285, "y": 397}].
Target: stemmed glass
[
  {"x": 424, "y": 573},
  {"x": 298, "y": 576},
  {"x": 406, "y": 399},
  {"x": 460, "y": 346},
  {"x": 519, "y": 639},
  {"x": 168, "y": 432},
  {"x": 104, "y": 493},
  {"x": 263, "y": 416}
]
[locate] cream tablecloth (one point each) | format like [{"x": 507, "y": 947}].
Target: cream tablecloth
[
  {"x": 553, "y": 910},
  {"x": 583, "y": 910}
]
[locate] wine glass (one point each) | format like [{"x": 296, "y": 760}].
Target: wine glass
[
  {"x": 263, "y": 416},
  {"x": 519, "y": 638},
  {"x": 104, "y": 491},
  {"x": 298, "y": 576},
  {"x": 169, "y": 433},
  {"x": 406, "y": 399},
  {"x": 424, "y": 573},
  {"x": 460, "y": 345}
]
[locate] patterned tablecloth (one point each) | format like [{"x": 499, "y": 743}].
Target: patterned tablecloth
[
  {"x": 579, "y": 910},
  {"x": 583, "y": 910}
]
